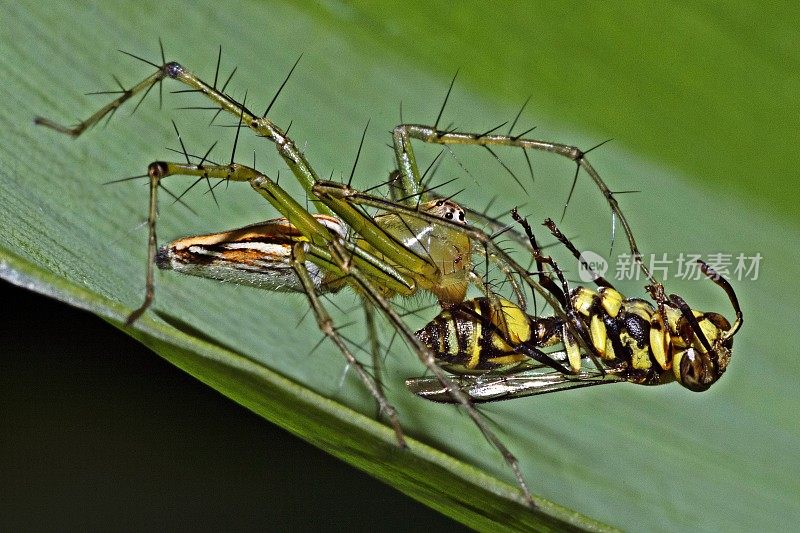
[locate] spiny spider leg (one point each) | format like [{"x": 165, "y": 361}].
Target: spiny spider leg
[
  {"x": 350, "y": 195},
  {"x": 316, "y": 251},
  {"x": 404, "y": 133},
  {"x": 428, "y": 359},
  {"x": 326, "y": 325},
  {"x": 374, "y": 345}
]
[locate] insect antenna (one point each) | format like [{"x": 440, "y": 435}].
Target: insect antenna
[
  {"x": 289, "y": 75},
  {"x": 722, "y": 282},
  {"x": 688, "y": 315}
]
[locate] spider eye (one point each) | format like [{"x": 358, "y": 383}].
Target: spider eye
[
  {"x": 461, "y": 216},
  {"x": 448, "y": 215}
]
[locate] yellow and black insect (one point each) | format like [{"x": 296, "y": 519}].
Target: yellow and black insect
[{"x": 499, "y": 353}]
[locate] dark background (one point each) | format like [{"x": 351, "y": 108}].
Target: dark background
[{"x": 99, "y": 432}]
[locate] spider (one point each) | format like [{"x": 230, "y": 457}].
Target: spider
[{"x": 420, "y": 242}]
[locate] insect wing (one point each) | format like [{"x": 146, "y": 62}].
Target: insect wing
[{"x": 494, "y": 388}]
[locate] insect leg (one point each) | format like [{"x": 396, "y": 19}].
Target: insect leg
[
  {"x": 575, "y": 325},
  {"x": 599, "y": 280}
]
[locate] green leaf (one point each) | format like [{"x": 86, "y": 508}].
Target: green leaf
[{"x": 701, "y": 105}]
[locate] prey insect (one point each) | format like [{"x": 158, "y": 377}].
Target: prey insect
[
  {"x": 419, "y": 243},
  {"x": 497, "y": 354}
]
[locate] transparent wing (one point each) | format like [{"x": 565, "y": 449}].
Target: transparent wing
[{"x": 494, "y": 388}]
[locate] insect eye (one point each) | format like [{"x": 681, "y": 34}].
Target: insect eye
[
  {"x": 448, "y": 215},
  {"x": 694, "y": 374}
]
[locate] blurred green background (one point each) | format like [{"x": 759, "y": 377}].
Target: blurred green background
[{"x": 702, "y": 104}]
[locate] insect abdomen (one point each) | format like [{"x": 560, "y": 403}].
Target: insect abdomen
[{"x": 483, "y": 335}]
